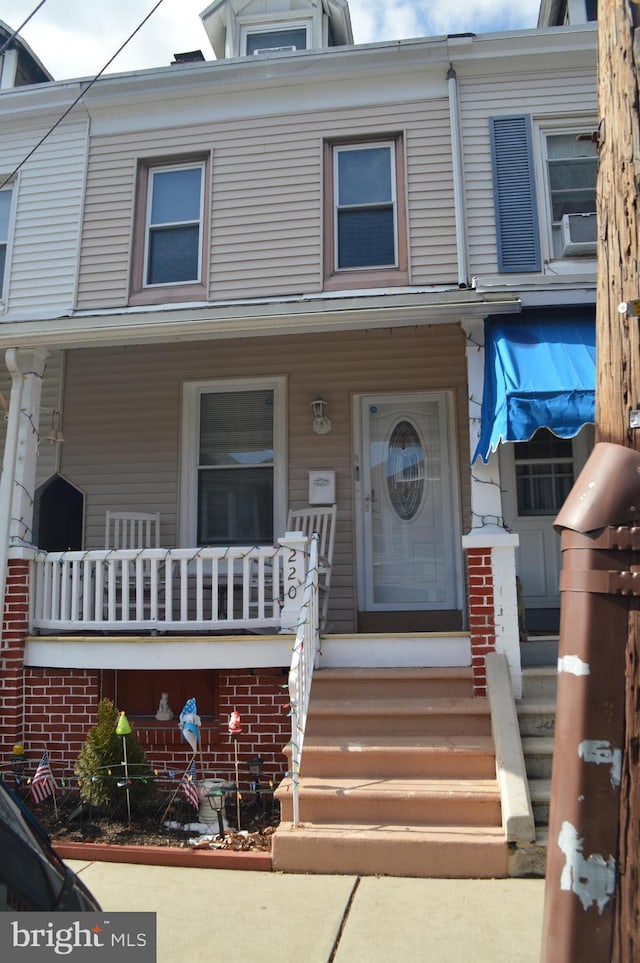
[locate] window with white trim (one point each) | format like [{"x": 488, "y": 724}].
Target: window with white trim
[
  {"x": 544, "y": 473},
  {"x": 365, "y": 239},
  {"x": 365, "y": 224},
  {"x": 571, "y": 168},
  {"x": 6, "y": 195},
  {"x": 173, "y": 236},
  {"x": 276, "y": 38},
  {"x": 544, "y": 181},
  {"x": 233, "y": 463},
  {"x": 169, "y": 258}
]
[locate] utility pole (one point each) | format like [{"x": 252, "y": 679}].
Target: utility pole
[
  {"x": 592, "y": 896},
  {"x": 618, "y": 384}
]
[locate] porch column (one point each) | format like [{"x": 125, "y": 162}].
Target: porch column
[
  {"x": 17, "y": 489},
  {"x": 493, "y": 602},
  {"x": 489, "y": 547}
]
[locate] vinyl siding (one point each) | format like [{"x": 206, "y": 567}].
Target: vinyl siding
[
  {"x": 543, "y": 95},
  {"x": 122, "y": 422},
  {"x": 267, "y": 199},
  {"x": 41, "y": 271}
]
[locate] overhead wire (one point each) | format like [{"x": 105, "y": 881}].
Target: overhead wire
[
  {"x": 18, "y": 29},
  {"x": 66, "y": 113}
]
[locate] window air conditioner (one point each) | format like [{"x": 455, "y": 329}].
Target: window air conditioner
[
  {"x": 578, "y": 235},
  {"x": 269, "y": 50}
]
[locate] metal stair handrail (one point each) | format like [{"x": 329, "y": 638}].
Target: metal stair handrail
[{"x": 303, "y": 661}]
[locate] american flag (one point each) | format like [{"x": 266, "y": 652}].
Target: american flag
[
  {"x": 43, "y": 783},
  {"x": 189, "y": 785}
]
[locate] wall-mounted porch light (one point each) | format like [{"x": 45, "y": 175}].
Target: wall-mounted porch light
[
  {"x": 54, "y": 434},
  {"x": 321, "y": 424}
]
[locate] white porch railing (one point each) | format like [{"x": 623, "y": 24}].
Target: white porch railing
[
  {"x": 169, "y": 589},
  {"x": 303, "y": 662}
]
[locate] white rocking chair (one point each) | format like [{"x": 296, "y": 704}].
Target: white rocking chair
[{"x": 131, "y": 530}]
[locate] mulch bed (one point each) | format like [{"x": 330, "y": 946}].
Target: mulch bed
[{"x": 76, "y": 823}]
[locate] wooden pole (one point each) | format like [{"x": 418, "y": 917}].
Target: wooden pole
[
  {"x": 126, "y": 776},
  {"x": 591, "y": 893},
  {"x": 53, "y": 784},
  {"x": 618, "y": 382}
]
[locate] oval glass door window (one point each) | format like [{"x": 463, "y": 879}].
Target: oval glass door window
[{"x": 405, "y": 470}]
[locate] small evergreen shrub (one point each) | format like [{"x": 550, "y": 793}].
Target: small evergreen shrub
[{"x": 100, "y": 767}]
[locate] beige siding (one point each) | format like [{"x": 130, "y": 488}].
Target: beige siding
[
  {"x": 41, "y": 270},
  {"x": 122, "y": 423},
  {"x": 544, "y": 95},
  {"x": 266, "y": 199}
]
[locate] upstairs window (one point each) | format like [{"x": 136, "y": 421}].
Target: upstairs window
[
  {"x": 174, "y": 225},
  {"x": 5, "y": 214},
  {"x": 367, "y": 219},
  {"x": 170, "y": 238},
  {"x": 544, "y": 183},
  {"x": 260, "y": 40},
  {"x": 572, "y": 171}
]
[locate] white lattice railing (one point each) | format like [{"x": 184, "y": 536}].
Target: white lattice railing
[
  {"x": 170, "y": 589},
  {"x": 305, "y": 654}
]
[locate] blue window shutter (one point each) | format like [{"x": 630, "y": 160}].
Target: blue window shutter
[{"x": 514, "y": 193}]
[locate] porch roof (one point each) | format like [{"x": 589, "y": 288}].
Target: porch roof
[{"x": 539, "y": 371}]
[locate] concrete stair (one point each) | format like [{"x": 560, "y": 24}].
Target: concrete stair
[
  {"x": 397, "y": 778},
  {"x": 536, "y": 716}
]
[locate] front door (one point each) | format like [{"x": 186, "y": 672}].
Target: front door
[{"x": 406, "y": 491}]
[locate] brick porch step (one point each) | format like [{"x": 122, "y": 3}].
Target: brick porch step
[
  {"x": 446, "y": 852},
  {"x": 408, "y": 716},
  {"x": 436, "y": 802},
  {"x": 469, "y": 756},
  {"x": 390, "y": 682}
]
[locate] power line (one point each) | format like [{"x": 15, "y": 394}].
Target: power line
[
  {"x": 18, "y": 29},
  {"x": 79, "y": 97}
]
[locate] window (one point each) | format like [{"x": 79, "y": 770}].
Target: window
[
  {"x": 170, "y": 242},
  {"x": 174, "y": 225},
  {"x": 5, "y": 213},
  {"x": 232, "y": 463},
  {"x": 572, "y": 171},
  {"x": 367, "y": 220},
  {"x": 544, "y": 185},
  {"x": 138, "y": 691},
  {"x": 262, "y": 40},
  {"x": 544, "y": 473}
]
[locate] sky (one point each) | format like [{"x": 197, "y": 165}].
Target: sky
[{"x": 76, "y": 38}]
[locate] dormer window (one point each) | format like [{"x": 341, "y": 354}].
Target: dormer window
[{"x": 278, "y": 38}]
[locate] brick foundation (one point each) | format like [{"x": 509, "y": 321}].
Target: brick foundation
[
  {"x": 55, "y": 708},
  {"x": 61, "y": 706}
]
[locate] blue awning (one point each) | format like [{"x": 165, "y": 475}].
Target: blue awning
[{"x": 539, "y": 371}]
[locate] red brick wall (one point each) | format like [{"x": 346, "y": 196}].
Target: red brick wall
[
  {"x": 14, "y": 630},
  {"x": 55, "y": 708},
  {"x": 481, "y": 614},
  {"x": 61, "y": 707}
]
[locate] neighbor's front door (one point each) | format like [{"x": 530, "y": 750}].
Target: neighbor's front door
[{"x": 406, "y": 491}]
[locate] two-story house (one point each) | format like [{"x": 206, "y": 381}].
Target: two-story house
[{"x": 237, "y": 288}]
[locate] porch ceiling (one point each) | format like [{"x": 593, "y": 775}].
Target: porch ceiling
[{"x": 158, "y": 652}]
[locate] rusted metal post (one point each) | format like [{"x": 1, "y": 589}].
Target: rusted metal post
[{"x": 600, "y": 581}]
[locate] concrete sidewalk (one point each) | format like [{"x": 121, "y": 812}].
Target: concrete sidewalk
[{"x": 209, "y": 915}]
